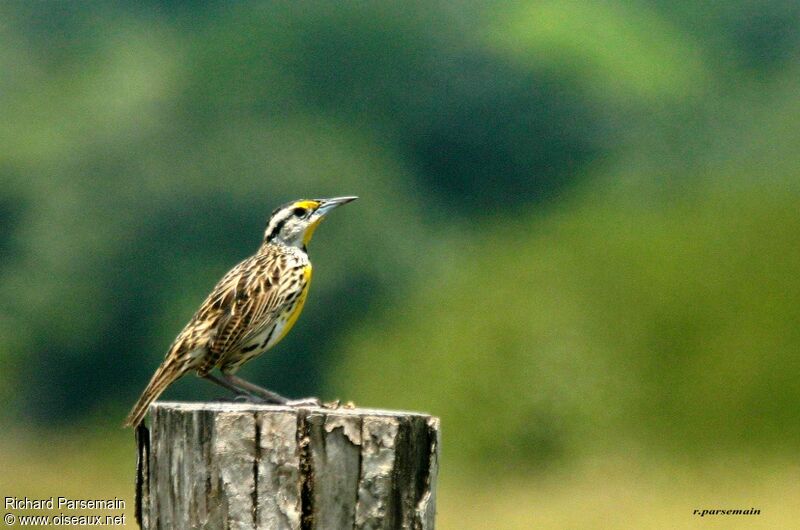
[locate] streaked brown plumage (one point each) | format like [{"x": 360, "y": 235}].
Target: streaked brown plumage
[{"x": 249, "y": 310}]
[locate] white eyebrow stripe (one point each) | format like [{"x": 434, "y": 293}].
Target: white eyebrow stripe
[{"x": 277, "y": 223}]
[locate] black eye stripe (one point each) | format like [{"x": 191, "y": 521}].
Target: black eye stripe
[
  {"x": 282, "y": 216},
  {"x": 276, "y": 230}
]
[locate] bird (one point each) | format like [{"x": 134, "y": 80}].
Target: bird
[{"x": 249, "y": 311}]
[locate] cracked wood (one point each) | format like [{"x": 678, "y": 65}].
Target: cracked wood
[{"x": 244, "y": 466}]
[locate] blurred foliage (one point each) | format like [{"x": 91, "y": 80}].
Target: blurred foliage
[
  {"x": 669, "y": 326},
  {"x": 578, "y": 229}
]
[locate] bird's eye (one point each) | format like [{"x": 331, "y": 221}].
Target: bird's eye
[{"x": 299, "y": 212}]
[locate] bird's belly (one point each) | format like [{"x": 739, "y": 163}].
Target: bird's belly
[
  {"x": 271, "y": 335},
  {"x": 282, "y": 326},
  {"x": 254, "y": 347},
  {"x": 258, "y": 344},
  {"x": 261, "y": 342}
]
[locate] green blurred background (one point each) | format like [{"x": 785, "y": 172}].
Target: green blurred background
[{"x": 578, "y": 239}]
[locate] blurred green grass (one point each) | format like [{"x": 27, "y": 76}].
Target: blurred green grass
[
  {"x": 70, "y": 462},
  {"x": 621, "y": 490}
]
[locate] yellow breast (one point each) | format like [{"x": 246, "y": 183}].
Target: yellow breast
[{"x": 294, "y": 312}]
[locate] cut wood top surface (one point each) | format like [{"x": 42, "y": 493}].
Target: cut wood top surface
[{"x": 222, "y": 406}]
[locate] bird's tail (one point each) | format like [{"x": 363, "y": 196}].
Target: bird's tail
[{"x": 168, "y": 372}]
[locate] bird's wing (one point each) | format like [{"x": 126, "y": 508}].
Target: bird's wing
[{"x": 250, "y": 297}]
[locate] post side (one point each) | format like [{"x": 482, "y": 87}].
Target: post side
[{"x": 246, "y": 466}]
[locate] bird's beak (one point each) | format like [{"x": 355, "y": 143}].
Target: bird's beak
[{"x": 327, "y": 205}]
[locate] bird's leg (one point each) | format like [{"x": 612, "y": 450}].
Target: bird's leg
[
  {"x": 250, "y": 392},
  {"x": 246, "y": 386},
  {"x": 269, "y": 394},
  {"x": 241, "y": 394},
  {"x": 242, "y": 398}
]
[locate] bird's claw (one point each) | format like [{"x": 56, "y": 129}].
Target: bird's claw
[
  {"x": 226, "y": 399},
  {"x": 304, "y": 402},
  {"x": 247, "y": 398},
  {"x": 316, "y": 402}
]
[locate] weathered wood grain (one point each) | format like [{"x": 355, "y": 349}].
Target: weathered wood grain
[{"x": 245, "y": 466}]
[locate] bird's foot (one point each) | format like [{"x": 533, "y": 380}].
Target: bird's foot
[
  {"x": 241, "y": 398},
  {"x": 305, "y": 402},
  {"x": 247, "y": 398}
]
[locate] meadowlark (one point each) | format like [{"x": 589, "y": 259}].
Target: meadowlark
[{"x": 249, "y": 311}]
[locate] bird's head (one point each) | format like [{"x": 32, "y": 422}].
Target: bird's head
[{"x": 294, "y": 223}]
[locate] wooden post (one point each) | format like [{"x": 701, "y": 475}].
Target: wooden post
[{"x": 245, "y": 466}]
